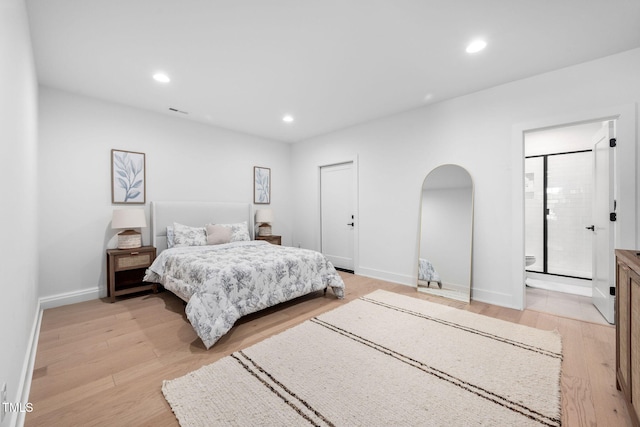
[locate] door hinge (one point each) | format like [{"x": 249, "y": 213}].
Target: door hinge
[
  {"x": 613, "y": 217},
  {"x": 612, "y": 291},
  {"x": 612, "y": 142}
]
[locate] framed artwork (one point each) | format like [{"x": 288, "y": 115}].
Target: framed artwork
[
  {"x": 261, "y": 185},
  {"x": 128, "y": 183}
]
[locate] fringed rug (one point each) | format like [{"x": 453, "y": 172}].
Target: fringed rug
[{"x": 384, "y": 359}]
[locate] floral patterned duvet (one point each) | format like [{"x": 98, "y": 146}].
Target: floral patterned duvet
[{"x": 222, "y": 283}]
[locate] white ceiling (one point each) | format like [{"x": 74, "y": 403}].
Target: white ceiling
[{"x": 243, "y": 64}]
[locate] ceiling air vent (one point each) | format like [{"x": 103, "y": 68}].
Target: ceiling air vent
[{"x": 175, "y": 110}]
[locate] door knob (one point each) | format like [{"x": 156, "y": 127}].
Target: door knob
[
  {"x": 591, "y": 227},
  {"x": 352, "y": 224}
]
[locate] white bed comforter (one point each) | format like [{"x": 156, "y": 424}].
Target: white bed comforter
[{"x": 225, "y": 282}]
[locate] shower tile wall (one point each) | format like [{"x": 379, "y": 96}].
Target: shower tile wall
[{"x": 533, "y": 192}]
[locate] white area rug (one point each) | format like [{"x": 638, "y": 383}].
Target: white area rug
[{"x": 384, "y": 359}]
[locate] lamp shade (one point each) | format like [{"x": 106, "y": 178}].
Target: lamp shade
[
  {"x": 264, "y": 215},
  {"x": 128, "y": 218}
]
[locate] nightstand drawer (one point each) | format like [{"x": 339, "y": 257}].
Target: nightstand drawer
[
  {"x": 126, "y": 262},
  {"x": 273, "y": 239}
]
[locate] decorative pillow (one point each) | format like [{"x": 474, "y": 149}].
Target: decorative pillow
[
  {"x": 170, "y": 236},
  {"x": 218, "y": 234},
  {"x": 239, "y": 231},
  {"x": 183, "y": 235}
]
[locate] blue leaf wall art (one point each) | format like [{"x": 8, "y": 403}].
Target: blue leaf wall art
[
  {"x": 127, "y": 177},
  {"x": 261, "y": 185}
]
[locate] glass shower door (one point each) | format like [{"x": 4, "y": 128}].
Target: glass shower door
[{"x": 569, "y": 211}]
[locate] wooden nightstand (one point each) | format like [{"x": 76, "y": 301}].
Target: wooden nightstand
[
  {"x": 126, "y": 268},
  {"x": 273, "y": 239}
]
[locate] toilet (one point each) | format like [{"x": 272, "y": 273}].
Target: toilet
[{"x": 529, "y": 260}]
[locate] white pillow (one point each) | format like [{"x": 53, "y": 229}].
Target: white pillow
[
  {"x": 239, "y": 231},
  {"x": 170, "y": 236},
  {"x": 218, "y": 234},
  {"x": 183, "y": 235}
]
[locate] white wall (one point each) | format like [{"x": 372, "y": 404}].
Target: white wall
[
  {"x": 477, "y": 132},
  {"x": 18, "y": 208},
  {"x": 185, "y": 160}
]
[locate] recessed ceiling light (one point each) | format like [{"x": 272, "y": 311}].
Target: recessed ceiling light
[
  {"x": 476, "y": 46},
  {"x": 287, "y": 118},
  {"x": 161, "y": 77}
]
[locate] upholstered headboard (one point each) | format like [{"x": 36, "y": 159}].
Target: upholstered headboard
[{"x": 195, "y": 214}]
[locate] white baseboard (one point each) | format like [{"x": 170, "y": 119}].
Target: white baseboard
[
  {"x": 17, "y": 418},
  {"x": 69, "y": 298},
  {"x": 481, "y": 295},
  {"x": 387, "y": 276},
  {"x": 494, "y": 298}
]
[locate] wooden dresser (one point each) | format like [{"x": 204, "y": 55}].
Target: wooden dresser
[{"x": 628, "y": 329}]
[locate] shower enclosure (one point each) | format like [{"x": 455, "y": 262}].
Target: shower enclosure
[{"x": 558, "y": 210}]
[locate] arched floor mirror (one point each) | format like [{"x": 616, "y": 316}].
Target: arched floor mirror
[{"x": 446, "y": 233}]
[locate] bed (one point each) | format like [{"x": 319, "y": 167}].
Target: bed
[{"x": 236, "y": 275}]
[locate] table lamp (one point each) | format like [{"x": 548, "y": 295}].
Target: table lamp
[
  {"x": 128, "y": 219},
  {"x": 264, "y": 217}
]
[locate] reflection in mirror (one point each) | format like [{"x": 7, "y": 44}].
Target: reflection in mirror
[{"x": 446, "y": 232}]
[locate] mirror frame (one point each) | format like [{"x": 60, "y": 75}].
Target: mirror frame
[{"x": 420, "y": 285}]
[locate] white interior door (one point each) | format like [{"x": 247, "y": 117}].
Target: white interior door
[
  {"x": 337, "y": 214},
  {"x": 603, "y": 236}
]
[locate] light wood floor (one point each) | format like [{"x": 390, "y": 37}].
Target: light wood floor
[{"x": 103, "y": 364}]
